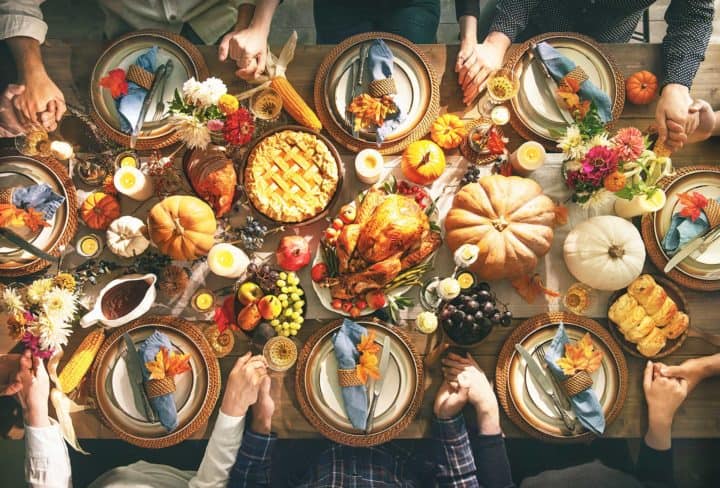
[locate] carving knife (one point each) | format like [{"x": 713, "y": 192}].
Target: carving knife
[
  {"x": 377, "y": 385},
  {"x": 700, "y": 243},
  {"x": 159, "y": 77},
  {"x": 545, "y": 383},
  {"x": 134, "y": 368},
  {"x": 551, "y": 85}
]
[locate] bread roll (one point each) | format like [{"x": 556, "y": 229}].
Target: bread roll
[
  {"x": 677, "y": 326},
  {"x": 631, "y": 320},
  {"x": 666, "y": 313},
  {"x": 621, "y": 307},
  {"x": 656, "y": 300},
  {"x": 641, "y": 288},
  {"x": 636, "y": 334},
  {"x": 652, "y": 343}
]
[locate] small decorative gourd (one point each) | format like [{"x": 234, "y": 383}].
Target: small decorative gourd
[
  {"x": 641, "y": 87},
  {"x": 423, "y": 162},
  {"x": 183, "y": 227},
  {"x": 448, "y": 131},
  {"x": 99, "y": 210},
  {"x": 126, "y": 237}
]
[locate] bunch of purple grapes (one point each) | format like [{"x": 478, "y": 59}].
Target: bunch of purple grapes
[{"x": 470, "y": 317}]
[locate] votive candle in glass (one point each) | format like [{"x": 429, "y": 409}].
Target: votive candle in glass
[
  {"x": 527, "y": 158},
  {"x": 369, "y": 166},
  {"x": 131, "y": 182},
  {"x": 227, "y": 260}
]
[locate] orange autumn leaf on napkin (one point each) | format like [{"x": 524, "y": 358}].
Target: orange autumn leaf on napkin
[
  {"x": 34, "y": 220},
  {"x": 561, "y": 215},
  {"x": 115, "y": 82},
  {"x": 530, "y": 286},
  {"x": 581, "y": 356},
  {"x": 693, "y": 204},
  {"x": 367, "y": 366},
  {"x": 11, "y": 216},
  {"x": 167, "y": 364}
]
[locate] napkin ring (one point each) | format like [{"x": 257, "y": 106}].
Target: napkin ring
[
  {"x": 157, "y": 388},
  {"x": 712, "y": 212},
  {"x": 6, "y": 195},
  {"x": 577, "y": 383},
  {"x": 380, "y": 88},
  {"x": 578, "y": 75},
  {"x": 348, "y": 377},
  {"x": 140, "y": 76}
]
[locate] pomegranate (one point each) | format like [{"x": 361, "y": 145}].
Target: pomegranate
[{"x": 293, "y": 253}]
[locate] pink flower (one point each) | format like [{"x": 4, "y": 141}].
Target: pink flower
[
  {"x": 32, "y": 342},
  {"x": 598, "y": 163},
  {"x": 629, "y": 143},
  {"x": 215, "y": 125}
]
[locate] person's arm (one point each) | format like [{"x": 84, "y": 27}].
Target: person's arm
[
  {"x": 696, "y": 369},
  {"x": 453, "y": 453}
]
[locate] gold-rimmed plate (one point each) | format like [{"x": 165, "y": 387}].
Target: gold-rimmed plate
[
  {"x": 187, "y": 63},
  {"x": 320, "y": 394},
  {"x": 535, "y": 112},
  {"x": 22, "y": 171}
]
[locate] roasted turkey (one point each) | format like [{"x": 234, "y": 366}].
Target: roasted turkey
[{"x": 391, "y": 233}]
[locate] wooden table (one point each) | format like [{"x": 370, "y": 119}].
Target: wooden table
[{"x": 69, "y": 65}]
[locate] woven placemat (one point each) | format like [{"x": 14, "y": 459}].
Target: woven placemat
[
  {"x": 647, "y": 229},
  {"x": 209, "y": 399},
  {"x": 348, "y": 438},
  {"x": 469, "y": 153},
  {"x": 338, "y": 132},
  {"x": 507, "y": 352},
  {"x": 68, "y": 232},
  {"x": 671, "y": 345},
  {"x": 517, "y": 54},
  {"x": 169, "y": 138}
]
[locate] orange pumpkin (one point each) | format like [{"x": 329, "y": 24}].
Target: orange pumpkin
[
  {"x": 99, "y": 210},
  {"x": 423, "y": 162},
  {"x": 448, "y": 131},
  {"x": 183, "y": 227},
  {"x": 641, "y": 87}
]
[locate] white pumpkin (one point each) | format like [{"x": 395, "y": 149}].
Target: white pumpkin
[
  {"x": 126, "y": 237},
  {"x": 605, "y": 252}
]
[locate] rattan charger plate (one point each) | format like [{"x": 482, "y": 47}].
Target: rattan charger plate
[
  {"x": 196, "y": 395},
  {"x": 672, "y": 345},
  {"x": 188, "y": 62},
  {"x": 605, "y": 73},
  {"x": 687, "y": 273},
  {"x": 325, "y": 89},
  {"x": 614, "y": 374},
  {"x": 319, "y": 395},
  {"x": 26, "y": 170},
  {"x": 469, "y": 153}
]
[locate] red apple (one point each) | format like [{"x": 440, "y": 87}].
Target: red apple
[
  {"x": 319, "y": 272},
  {"x": 376, "y": 299},
  {"x": 337, "y": 304},
  {"x": 293, "y": 253},
  {"x": 348, "y": 213}
]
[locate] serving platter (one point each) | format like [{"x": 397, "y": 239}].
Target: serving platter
[
  {"x": 187, "y": 63},
  {"x": 320, "y": 395},
  {"x": 699, "y": 271},
  {"x": 21, "y": 171},
  {"x": 524, "y": 401},
  {"x": 418, "y": 92},
  {"x": 534, "y": 112},
  {"x": 196, "y": 391}
]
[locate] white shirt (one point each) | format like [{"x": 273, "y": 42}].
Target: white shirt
[
  {"x": 210, "y": 19},
  {"x": 47, "y": 464}
]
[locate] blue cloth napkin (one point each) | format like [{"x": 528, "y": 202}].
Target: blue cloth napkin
[
  {"x": 164, "y": 406},
  {"x": 381, "y": 63},
  {"x": 683, "y": 230},
  {"x": 558, "y": 66},
  {"x": 39, "y": 197},
  {"x": 345, "y": 341},
  {"x": 585, "y": 405},
  {"x": 129, "y": 105}
]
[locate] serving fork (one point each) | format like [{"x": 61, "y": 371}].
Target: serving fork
[{"x": 160, "y": 105}]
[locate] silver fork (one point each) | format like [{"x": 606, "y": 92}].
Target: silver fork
[
  {"x": 539, "y": 355},
  {"x": 160, "y": 105}
]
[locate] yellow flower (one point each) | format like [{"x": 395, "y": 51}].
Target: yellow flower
[
  {"x": 37, "y": 290},
  {"x": 228, "y": 104},
  {"x": 65, "y": 281}
]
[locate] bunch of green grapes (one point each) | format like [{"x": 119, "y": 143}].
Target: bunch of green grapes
[{"x": 290, "y": 320}]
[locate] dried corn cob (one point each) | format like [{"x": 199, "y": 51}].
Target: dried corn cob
[
  {"x": 81, "y": 360},
  {"x": 294, "y": 104}
]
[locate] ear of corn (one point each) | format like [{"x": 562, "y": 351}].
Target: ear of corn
[
  {"x": 81, "y": 360},
  {"x": 294, "y": 104}
]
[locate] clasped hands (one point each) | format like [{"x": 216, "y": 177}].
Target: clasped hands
[{"x": 35, "y": 102}]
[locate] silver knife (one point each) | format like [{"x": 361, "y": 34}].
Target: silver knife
[
  {"x": 541, "y": 376},
  {"x": 134, "y": 368},
  {"x": 552, "y": 86},
  {"x": 159, "y": 76},
  {"x": 25, "y": 245},
  {"x": 700, "y": 243},
  {"x": 357, "y": 83},
  {"x": 377, "y": 384}
]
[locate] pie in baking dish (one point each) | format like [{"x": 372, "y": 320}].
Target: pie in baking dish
[{"x": 291, "y": 176}]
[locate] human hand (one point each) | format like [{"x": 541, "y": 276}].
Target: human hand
[
  {"x": 701, "y": 121},
  {"x": 664, "y": 396},
  {"x": 476, "y": 61},
  {"x": 10, "y": 125},
  {"x": 243, "y": 385},
  {"x": 263, "y": 410},
  {"x": 692, "y": 371},
  {"x": 42, "y": 102},
  {"x": 248, "y": 48},
  {"x": 31, "y": 387},
  {"x": 672, "y": 115},
  {"x": 450, "y": 400}
]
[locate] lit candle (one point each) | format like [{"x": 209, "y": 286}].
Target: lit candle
[
  {"x": 203, "y": 300},
  {"x": 61, "y": 150},
  {"x": 500, "y": 115},
  {"x": 227, "y": 260},
  {"x": 89, "y": 246},
  {"x": 133, "y": 183},
  {"x": 527, "y": 158},
  {"x": 369, "y": 166}
]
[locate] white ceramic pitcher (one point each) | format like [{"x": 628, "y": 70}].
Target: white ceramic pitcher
[{"x": 96, "y": 314}]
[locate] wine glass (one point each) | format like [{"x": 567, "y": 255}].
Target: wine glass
[
  {"x": 579, "y": 299},
  {"x": 502, "y": 85}
]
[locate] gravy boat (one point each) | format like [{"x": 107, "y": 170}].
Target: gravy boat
[{"x": 96, "y": 314}]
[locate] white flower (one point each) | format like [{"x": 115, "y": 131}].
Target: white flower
[
  {"x": 599, "y": 140},
  {"x": 190, "y": 89},
  {"x": 204, "y": 94},
  {"x": 37, "y": 290},
  {"x": 573, "y": 165},
  {"x": 12, "y": 301},
  {"x": 448, "y": 288},
  {"x": 465, "y": 255},
  {"x": 193, "y": 133},
  {"x": 59, "y": 304},
  {"x": 572, "y": 143},
  {"x": 53, "y": 333}
]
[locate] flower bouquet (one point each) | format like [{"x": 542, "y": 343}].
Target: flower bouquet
[
  {"x": 41, "y": 314},
  {"x": 205, "y": 112}
]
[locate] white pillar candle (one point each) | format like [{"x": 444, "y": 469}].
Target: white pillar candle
[
  {"x": 133, "y": 183},
  {"x": 500, "y": 115},
  {"x": 527, "y": 158},
  {"x": 227, "y": 260},
  {"x": 369, "y": 166}
]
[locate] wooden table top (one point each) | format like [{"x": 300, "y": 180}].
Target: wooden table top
[{"x": 70, "y": 64}]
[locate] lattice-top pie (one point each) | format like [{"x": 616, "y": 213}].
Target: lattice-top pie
[{"x": 291, "y": 176}]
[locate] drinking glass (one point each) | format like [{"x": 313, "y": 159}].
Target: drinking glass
[{"x": 502, "y": 85}]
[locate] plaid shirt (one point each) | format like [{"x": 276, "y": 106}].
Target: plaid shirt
[{"x": 386, "y": 465}]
